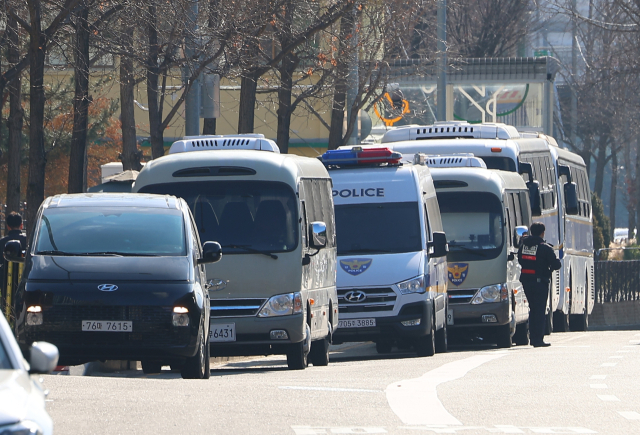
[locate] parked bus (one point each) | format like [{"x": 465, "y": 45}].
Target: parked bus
[
  {"x": 559, "y": 197},
  {"x": 274, "y": 292}
]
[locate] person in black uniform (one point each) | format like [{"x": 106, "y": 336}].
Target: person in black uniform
[
  {"x": 538, "y": 260},
  {"x": 13, "y": 222}
]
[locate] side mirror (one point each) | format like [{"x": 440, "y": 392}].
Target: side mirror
[
  {"x": 519, "y": 232},
  {"x": 43, "y": 357},
  {"x": 439, "y": 246},
  {"x": 13, "y": 251},
  {"x": 318, "y": 235},
  {"x": 534, "y": 197},
  {"x": 211, "y": 253},
  {"x": 570, "y": 198}
]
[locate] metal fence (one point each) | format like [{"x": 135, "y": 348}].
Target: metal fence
[{"x": 617, "y": 281}]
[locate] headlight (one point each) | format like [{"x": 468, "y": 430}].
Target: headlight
[
  {"x": 491, "y": 293},
  {"x": 415, "y": 285},
  {"x": 25, "y": 427},
  {"x": 282, "y": 305}
]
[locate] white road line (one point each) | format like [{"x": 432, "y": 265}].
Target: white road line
[
  {"x": 608, "y": 364},
  {"x": 617, "y": 356},
  {"x": 634, "y": 341},
  {"x": 409, "y": 398},
  {"x": 608, "y": 398},
  {"x": 630, "y": 415},
  {"x": 599, "y": 377},
  {"x": 495, "y": 429},
  {"x": 637, "y": 335},
  {"x": 601, "y": 386},
  {"x": 342, "y": 390},
  {"x": 623, "y": 351},
  {"x": 634, "y": 347}
]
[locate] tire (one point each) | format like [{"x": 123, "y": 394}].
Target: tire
[
  {"x": 384, "y": 346},
  {"x": 151, "y": 367},
  {"x": 199, "y": 365},
  {"x": 521, "y": 337},
  {"x": 319, "y": 354},
  {"x": 441, "y": 338},
  {"x": 297, "y": 357},
  {"x": 426, "y": 345},
  {"x": 503, "y": 336},
  {"x": 560, "y": 322}
]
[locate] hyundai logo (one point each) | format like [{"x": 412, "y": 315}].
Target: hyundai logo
[
  {"x": 355, "y": 296},
  {"x": 107, "y": 287}
]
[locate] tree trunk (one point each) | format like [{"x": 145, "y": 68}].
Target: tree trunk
[
  {"x": 342, "y": 72},
  {"x": 130, "y": 159},
  {"x": 209, "y": 126},
  {"x": 155, "y": 116},
  {"x": 614, "y": 191},
  {"x": 630, "y": 189},
  {"x": 15, "y": 122},
  {"x": 37, "y": 158},
  {"x": 81, "y": 102},
  {"x": 287, "y": 68},
  {"x": 246, "y": 115},
  {"x": 601, "y": 162}
]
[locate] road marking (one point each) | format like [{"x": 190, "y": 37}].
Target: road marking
[
  {"x": 343, "y": 390},
  {"x": 608, "y": 364},
  {"x": 634, "y": 341},
  {"x": 617, "y": 356},
  {"x": 607, "y": 398},
  {"x": 500, "y": 429},
  {"x": 598, "y": 386},
  {"x": 315, "y": 430},
  {"x": 630, "y": 415},
  {"x": 623, "y": 351},
  {"x": 600, "y": 377},
  {"x": 409, "y": 398},
  {"x": 635, "y": 347}
]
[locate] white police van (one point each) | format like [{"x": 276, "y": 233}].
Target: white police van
[{"x": 392, "y": 277}]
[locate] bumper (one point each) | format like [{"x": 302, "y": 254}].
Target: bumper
[
  {"x": 391, "y": 328},
  {"x": 467, "y": 316},
  {"x": 253, "y": 335}
]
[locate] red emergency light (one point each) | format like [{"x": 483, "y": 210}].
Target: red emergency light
[{"x": 360, "y": 156}]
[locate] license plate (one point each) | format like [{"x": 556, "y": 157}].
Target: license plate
[
  {"x": 107, "y": 325},
  {"x": 222, "y": 332},
  {"x": 357, "y": 323},
  {"x": 449, "y": 317}
]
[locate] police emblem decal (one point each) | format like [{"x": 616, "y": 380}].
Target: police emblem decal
[
  {"x": 457, "y": 272},
  {"x": 355, "y": 266}
]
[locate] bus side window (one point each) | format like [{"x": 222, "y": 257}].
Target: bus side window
[{"x": 525, "y": 208}]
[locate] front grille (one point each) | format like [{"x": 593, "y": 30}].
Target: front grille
[
  {"x": 152, "y": 327},
  {"x": 235, "y": 307},
  {"x": 377, "y": 299},
  {"x": 462, "y": 296}
]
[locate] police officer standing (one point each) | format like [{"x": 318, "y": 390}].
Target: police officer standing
[{"x": 538, "y": 260}]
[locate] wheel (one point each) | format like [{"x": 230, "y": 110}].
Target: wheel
[
  {"x": 297, "y": 357},
  {"x": 151, "y": 367},
  {"x": 426, "y": 345},
  {"x": 319, "y": 353},
  {"x": 580, "y": 322},
  {"x": 560, "y": 322},
  {"x": 199, "y": 365},
  {"x": 441, "y": 338},
  {"x": 384, "y": 346},
  {"x": 503, "y": 336},
  {"x": 521, "y": 337}
]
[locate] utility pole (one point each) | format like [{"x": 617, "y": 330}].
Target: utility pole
[
  {"x": 442, "y": 60},
  {"x": 192, "y": 101}
]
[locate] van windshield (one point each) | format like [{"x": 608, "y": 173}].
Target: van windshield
[
  {"x": 473, "y": 224},
  {"x": 378, "y": 228},
  {"x": 128, "y": 231},
  {"x": 243, "y": 216}
]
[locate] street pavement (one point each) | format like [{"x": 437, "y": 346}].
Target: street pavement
[{"x": 585, "y": 383}]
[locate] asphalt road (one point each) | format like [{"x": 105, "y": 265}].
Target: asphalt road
[{"x": 584, "y": 383}]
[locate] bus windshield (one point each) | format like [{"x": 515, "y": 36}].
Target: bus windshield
[
  {"x": 243, "y": 216},
  {"x": 473, "y": 223},
  {"x": 379, "y": 228}
]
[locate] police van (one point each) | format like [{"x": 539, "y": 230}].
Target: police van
[
  {"x": 484, "y": 214},
  {"x": 274, "y": 292},
  {"x": 392, "y": 283}
]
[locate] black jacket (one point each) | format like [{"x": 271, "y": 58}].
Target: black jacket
[
  {"x": 537, "y": 259},
  {"x": 12, "y": 235}
]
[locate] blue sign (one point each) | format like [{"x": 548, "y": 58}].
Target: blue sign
[
  {"x": 458, "y": 272},
  {"x": 355, "y": 266}
]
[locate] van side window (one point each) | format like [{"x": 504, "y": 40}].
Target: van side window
[
  {"x": 427, "y": 224},
  {"x": 525, "y": 208},
  {"x": 304, "y": 226}
]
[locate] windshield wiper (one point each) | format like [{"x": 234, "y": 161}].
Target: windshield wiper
[
  {"x": 54, "y": 252},
  {"x": 474, "y": 251},
  {"x": 115, "y": 254},
  {"x": 247, "y": 248}
]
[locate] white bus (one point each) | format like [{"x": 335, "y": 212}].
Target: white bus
[{"x": 559, "y": 194}]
